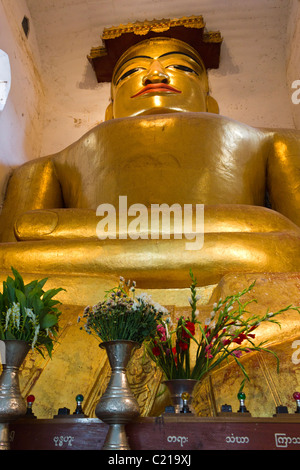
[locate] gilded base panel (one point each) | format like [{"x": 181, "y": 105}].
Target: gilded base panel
[{"x": 78, "y": 364}]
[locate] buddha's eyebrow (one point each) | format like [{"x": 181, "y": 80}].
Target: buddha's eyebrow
[
  {"x": 180, "y": 53},
  {"x": 151, "y": 58},
  {"x": 131, "y": 58}
]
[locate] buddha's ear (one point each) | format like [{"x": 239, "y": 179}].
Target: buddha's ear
[
  {"x": 109, "y": 112},
  {"x": 212, "y": 105}
]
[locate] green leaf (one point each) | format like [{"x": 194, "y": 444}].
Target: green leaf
[
  {"x": 21, "y": 298},
  {"x": 51, "y": 293},
  {"x": 42, "y": 282},
  {"x": 29, "y": 287},
  {"x": 48, "y": 320},
  {"x": 19, "y": 283},
  {"x": 9, "y": 335},
  {"x": 37, "y": 305},
  {"x": 10, "y": 286}
]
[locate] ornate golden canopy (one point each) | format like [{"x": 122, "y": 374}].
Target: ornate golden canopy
[{"x": 117, "y": 40}]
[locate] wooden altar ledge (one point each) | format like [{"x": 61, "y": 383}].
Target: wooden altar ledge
[{"x": 168, "y": 432}]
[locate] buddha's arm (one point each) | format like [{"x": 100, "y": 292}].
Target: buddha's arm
[
  {"x": 74, "y": 223},
  {"x": 33, "y": 185},
  {"x": 283, "y": 174}
]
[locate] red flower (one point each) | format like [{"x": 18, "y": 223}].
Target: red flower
[
  {"x": 240, "y": 338},
  {"x": 190, "y": 326},
  {"x": 156, "y": 351},
  {"x": 174, "y": 355},
  {"x": 183, "y": 345},
  {"x": 225, "y": 341}
]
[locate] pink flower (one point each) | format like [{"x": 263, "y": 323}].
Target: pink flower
[
  {"x": 208, "y": 354},
  {"x": 237, "y": 353},
  {"x": 162, "y": 332}
]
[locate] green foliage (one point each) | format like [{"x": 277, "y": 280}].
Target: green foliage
[
  {"x": 122, "y": 316},
  {"x": 228, "y": 332},
  {"x": 28, "y": 312}
]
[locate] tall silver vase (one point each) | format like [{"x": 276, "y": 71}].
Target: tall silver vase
[
  {"x": 12, "y": 404},
  {"x": 117, "y": 406},
  {"x": 176, "y": 388}
]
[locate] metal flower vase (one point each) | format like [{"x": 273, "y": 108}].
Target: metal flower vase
[
  {"x": 12, "y": 404},
  {"x": 118, "y": 406},
  {"x": 178, "y": 387}
]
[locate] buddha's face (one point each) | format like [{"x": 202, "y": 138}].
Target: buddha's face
[{"x": 158, "y": 76}]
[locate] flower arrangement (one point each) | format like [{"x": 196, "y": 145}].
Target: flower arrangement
[
  {"x": 29, "y": 313},
  {"x": 225, "y": 334},
  {"x": 123, "y": 316}
]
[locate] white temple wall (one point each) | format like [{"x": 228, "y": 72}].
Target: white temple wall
[{"x": 21, "y": 120}]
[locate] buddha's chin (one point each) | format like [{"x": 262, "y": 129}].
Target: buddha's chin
[{"x": 157, "y": 110}]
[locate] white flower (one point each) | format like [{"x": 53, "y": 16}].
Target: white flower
[
  {"x": 29, "y": 312},
  {"x": 232, "y": 329},
  {"x": 7, "y": 317},
  {"x": 168, "y": 321},
  {"x": 165, "y": 323},
  {"x": 36, "y": 333},
  {"x": 13, "y": 314},
  {"x": 147, "y": 299},
  {"x": 16, "y": 314},
  {"x": 160, "y": 308}
]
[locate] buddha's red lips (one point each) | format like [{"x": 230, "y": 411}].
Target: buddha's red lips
[{"x": 157, "y": 87}]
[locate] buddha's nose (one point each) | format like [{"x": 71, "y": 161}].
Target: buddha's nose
[{"x": 156, "y": 74}]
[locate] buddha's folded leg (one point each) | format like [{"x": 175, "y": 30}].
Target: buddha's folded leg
[{"x": 163, "y": 263}]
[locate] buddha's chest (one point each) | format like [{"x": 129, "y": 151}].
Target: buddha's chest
[{"x": 170, "y": 159}]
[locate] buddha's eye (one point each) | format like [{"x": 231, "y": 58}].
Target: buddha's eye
[
  {"x": 128, "y": 73},
  {"x": 184, "y": 68}
]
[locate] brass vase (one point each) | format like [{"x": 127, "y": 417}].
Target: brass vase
[
  {"x": 118, "y": 406},
  {"x": 12, "y": 404},
  {"x": 176, "y": 388}
]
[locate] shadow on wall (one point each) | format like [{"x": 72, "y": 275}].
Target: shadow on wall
[
  {"x": 5, "y": 78},
  {"x": 5, "y": 83}
]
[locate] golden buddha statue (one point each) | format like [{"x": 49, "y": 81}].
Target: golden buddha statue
[
  {"x": 161, "y": 146},
  {"x": 163, "y": 143}
]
